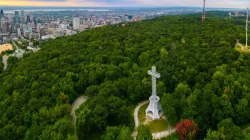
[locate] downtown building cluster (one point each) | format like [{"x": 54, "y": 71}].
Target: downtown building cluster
[{"x": 46, "y": 25}]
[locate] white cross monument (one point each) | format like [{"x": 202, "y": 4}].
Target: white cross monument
[{"x": 154, "y": 109}]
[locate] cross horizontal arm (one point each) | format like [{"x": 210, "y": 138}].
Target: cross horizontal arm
[{"x": 154, "y": 74}]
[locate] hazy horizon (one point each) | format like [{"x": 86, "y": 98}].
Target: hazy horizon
[
  {"x": 11, "y": 9},
  {"x": 242, "y": 4}
]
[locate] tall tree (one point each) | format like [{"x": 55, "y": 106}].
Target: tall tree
[
  {"x": 143, "y": 133},
  {"x": 226, "y": 130},
  {"x": 187, "y": 129}
]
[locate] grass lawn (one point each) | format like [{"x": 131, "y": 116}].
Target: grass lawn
[
  {"x": 142, "y": 113},
  {"x": 154, "y": 126},
  {"x": 158, "y": 125},
  {"x": 238, "y": 48}
]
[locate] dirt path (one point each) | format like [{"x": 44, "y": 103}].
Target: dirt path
[
  {"x": 80, "y": 100},
  {"x": 155, "y": 135}
]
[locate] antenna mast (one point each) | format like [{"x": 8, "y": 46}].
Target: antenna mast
[
  {"x": 204, "y": 14},
  {"x": 246, "y": 28}
]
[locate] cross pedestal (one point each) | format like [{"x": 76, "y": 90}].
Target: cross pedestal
[{"x": 154, "y": 109}]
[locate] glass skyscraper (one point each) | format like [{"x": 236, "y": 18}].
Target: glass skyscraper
[
  {"x": 1, "y": 14},
  {"x": 28, "y": 18},
  {"x": 17, "y": 18}
]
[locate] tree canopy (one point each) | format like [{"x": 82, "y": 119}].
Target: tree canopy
[{"x": 202, "y": 78}]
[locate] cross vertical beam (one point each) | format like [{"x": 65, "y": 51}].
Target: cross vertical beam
[{"x": 154, "y": 75}]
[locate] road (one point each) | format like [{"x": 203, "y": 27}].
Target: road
[
  {"x": 158, "y": 135},
  {"x": 80, "y": 100},
  {"x": 5, "y": 63}
]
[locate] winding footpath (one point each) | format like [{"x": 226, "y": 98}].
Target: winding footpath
[
  {"x": 239, "y": 44},
  {"x": 158, "y": 135},
  {"x": 80, "y": 100},
  {"x": 163, "y": 134},
  {"x": 137, "y": 123}
]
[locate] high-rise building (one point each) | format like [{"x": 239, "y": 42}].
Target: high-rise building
[
  {"x": 4, "y": 28},
  {"x": 25, "y": 28},
  {"x": 2, "y": 21},
  {"x": 22, "y": 13},
  {"x": 34, "y": 20},
  {"x": 1, "y": 13},
  {"x": 38, "y": 20},
  {"x": 23, "y": 20},
  {"x": 22, "y": 17},
  {"x": 76, "y": 23},
  {"x": 17, "y": 18},
  {"x": 19, "y": 32},
  {"x": 126, "y": 18},
  {"x": 39, "y": 26},
  {"x": 236, "y": 14},
  {"x": 28, "y": 18},
  {"x": 130, "y": 17}
]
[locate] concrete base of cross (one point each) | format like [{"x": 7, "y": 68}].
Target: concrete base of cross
[{"x": 154, "y": 109}]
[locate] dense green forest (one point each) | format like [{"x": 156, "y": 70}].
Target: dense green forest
[{"x": 203, "y": 78}]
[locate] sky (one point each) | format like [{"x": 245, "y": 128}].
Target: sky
[{"x": 128, "y": 3}]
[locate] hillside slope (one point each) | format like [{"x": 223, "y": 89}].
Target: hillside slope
[{"x": 207, "y": 79}]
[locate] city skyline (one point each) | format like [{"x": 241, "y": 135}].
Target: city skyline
[{"x": 127, "y": 3}]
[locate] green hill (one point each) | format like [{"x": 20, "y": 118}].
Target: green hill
[{"x": 207, "y": 80}]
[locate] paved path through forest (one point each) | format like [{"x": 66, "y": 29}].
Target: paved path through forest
[
  {"x": 5, "y": 63},
  {"x": 136, "y": 119},
  {"x": 80, "y": 100},
  {"x": 163, "y": 134},
  {"x": 158, "y": 135},
  {"x": 239, "y": 44}
]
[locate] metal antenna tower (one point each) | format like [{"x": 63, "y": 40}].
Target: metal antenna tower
[
  {"x": 204, "y": 14},
  {"x": 246, "y": 28}
]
